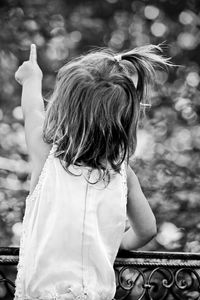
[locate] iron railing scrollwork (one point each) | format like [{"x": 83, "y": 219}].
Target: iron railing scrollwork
[
  {"x": 8, "y": 260},
  {"x": 139, "y": 275},
  {"x": 157, "y": 276}
]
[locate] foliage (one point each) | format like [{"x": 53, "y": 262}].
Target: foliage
[{"x": 167, "y": 159}]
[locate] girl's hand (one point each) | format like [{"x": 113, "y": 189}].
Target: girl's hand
[{"x": 29, "y": 70}]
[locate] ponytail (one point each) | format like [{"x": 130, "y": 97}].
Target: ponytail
[{"x": 145, "y": 61}]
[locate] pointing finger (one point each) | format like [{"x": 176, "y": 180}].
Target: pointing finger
[{"x": 33, "y": 53}]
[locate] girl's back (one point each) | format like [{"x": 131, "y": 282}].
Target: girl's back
[
  {"x": 75, "y": 218},
  {"x": 71, "y": 234}
]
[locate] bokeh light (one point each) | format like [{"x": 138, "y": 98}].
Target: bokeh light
[
  {"x": 151, "y": 12},
  {"x": 193, "y": 79},
  {"x": 158, "y": 29},
  {"x": 186, "y": 17},
  {"x": 187, "y": 40}
]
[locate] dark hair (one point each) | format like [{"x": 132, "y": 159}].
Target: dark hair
[{"x": 93, "y": 113}]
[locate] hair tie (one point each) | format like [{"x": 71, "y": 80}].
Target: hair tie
[
  {"x": 145, "y": 104},
  {"x": 118, "y": 58}
]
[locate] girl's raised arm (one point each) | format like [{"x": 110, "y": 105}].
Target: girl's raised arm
[
  {"x": 29, "y": 75},
  {"x": 142, "y": 220}
]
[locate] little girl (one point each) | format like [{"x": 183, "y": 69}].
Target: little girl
[{"x": 82, "y": 188}]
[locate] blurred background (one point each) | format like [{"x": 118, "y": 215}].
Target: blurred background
[{"x": 167, "y": 159}]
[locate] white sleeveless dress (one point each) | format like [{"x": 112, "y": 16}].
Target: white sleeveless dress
[{"x": 72, "y": 230}]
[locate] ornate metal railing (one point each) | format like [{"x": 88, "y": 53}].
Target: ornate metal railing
[{"x": 139, "y": 275}]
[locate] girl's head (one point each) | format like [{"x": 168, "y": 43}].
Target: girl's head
[{"x": 93, "y": 113}]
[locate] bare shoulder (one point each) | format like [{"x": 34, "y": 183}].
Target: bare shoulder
[
  {"x": 37, "y": 166},
  {"x": 37, "y": 148},
  {"x": 38, "y": 154},
  {"x": 132, "y": 179}
]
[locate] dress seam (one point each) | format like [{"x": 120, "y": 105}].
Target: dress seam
[{"x": 84, "y": 295}]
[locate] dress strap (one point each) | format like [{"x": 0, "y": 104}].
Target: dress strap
[
  {"x": 42, "y": 173},
  {"x": 125, "y": 187},
  {"x": 124, "y": 179},
  {"x": 53, "y": 149}
]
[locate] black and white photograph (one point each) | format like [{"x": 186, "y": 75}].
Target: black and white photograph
[{"x": 99, "y": 150}]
